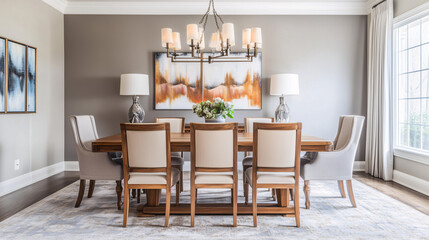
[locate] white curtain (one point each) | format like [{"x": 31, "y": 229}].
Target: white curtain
[{"x": 379, "y": 153}]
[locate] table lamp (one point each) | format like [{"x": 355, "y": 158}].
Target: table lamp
[
  {"x": 135, "y": 85},
  {"x": 283, "y": 85}
]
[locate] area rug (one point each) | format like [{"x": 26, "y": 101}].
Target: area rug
[{"x": 377, "y": 216}]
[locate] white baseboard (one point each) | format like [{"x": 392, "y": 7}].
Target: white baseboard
[
  {"x": 415, "y": 183},
  {"x": 71, "y": 166},
  {"x": 24, "y": 180}
]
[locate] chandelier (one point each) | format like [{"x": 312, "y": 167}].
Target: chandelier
[{"x": 221, "y": 41}]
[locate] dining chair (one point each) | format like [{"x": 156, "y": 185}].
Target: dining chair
[
  {"x": 93, "y": 166},
  {"x": 214, "y": 161},
  {"x": 147, "y": 163},
  {"x": 338, "y": 164},
  {"x": 247, "y": 160},
  {"x": 276, "y": 161},
  {"x": 177, "y": 125}
]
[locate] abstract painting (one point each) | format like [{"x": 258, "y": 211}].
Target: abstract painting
[
  {"x": 31, "y": 79},
  {"x": 179, "y": 85},
  {"x": 16, "y": 77},
  {"x": 2, "y": 74}
]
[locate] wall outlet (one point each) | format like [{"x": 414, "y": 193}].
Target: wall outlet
[{"x": 17, "y": 164}]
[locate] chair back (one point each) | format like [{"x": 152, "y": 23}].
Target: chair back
[
  {"x": 146, "y": 146},
  {"x": 349, "y": 131},
  {"x": 84, "y": 131},
  {"x": 177, "y": 124},
  {"x": 276, "y": 145},
  {"x": 214, "y": 145},
  {"x": 248, "y": 122}
]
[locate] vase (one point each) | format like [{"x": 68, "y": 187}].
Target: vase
[{"x": 219, "y": 119}]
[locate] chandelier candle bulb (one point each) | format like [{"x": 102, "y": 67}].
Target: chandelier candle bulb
[
  {"x": 256, "y": 37},
  {"x": 228, "y": 33},
  {"x": 177, "y": 45},
  {"x": 246, "y": 37},
  {"x": 166, "y": 36},
  {"x": 191, "y": 33}
]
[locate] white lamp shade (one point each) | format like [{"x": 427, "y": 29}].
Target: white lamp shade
[
  {"x": 228, "y": 33},
  {"x": 215, "y": 41},
  {"x": 246, "y": 37},
  {"x": 166, "y": 36},
  {"x": 133, "y": 84},
  {"x": 256, "y": 37},
  {"x": 191, "y": 33},
  {"x": 177, "y": 45},
  {"x": 284, "y": 84}
]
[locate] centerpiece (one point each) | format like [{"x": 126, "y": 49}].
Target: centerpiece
[{"x": 214, "y": 112}]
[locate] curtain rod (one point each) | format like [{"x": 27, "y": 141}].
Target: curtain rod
[{"x": 378, "y": 4}]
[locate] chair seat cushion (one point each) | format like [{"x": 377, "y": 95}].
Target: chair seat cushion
[
  {"x": 247, "y": 161},
  {"x": 213, "y": 178},
  {"x": 154, "y": 178},
  {"x": 177, "y": 161},
  {"x": 270, "y": 178}
]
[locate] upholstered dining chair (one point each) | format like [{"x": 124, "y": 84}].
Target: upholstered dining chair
[
  {"x": 177, "y": 125},
  {"x": 276, "y": 161},
  {"x": 248, "y": 158},
  {"x": 338, "y": 164},
  {"x": 214, "y": 160},
  {"x": 147, "y": 162},
  {"x": 93, "y": 166}
]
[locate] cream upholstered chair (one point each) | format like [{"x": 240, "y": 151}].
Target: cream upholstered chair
[
  {"x": 247, "y": 161},
  {"x": 147, "y": 163},
  {"x": 338, "y": 164},
  {"x": 214, "y": 160},
  {"x": 177, "y": 125},
  {"x": 93, "y": 166},
  {"x": 276, "y": 161}
]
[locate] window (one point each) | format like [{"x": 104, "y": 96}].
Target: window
[{"x": 411, "y": 78}]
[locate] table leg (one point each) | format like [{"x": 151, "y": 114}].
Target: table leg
[
  {"x": 282, "y": 197},
  {"x": 153, "y": 197}
]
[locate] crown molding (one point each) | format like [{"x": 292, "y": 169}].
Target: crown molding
[
  {"x": 328, "y": 7},
  {"x": 60, "y": 5}
]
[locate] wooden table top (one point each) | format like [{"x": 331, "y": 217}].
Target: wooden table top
[{"x": 181, "y": 142}]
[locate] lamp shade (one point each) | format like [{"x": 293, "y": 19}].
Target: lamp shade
[
  {"x": 134, "y": 84},
  {"x": 284, "y": 84}
]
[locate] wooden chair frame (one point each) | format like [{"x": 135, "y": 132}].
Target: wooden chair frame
[
  {"x": 276, "y": 126},
  {"x": 147, "y": 127},
  {"x": 180, "y": 168},
  {"x": 246, "y": 186},
  {"x": 234, "y": 186}
]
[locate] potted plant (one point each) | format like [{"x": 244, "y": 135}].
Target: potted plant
[{"x": 215, "y": 111}]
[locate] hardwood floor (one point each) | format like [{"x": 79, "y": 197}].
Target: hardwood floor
[
  {"x": 22, "y": 198},
  {"x": 406, "y": 195},
  {"x": 18, "y": 200}
]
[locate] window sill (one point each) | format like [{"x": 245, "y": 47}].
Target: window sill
[{"x": 411, "y": 155}]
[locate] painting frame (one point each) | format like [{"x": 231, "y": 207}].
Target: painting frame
[
  {"x": 249, "y": 74},
  {"x": 21, "y": 95},
  {"x": 3, "y": 71},
  {"x": 27, "y": 82},
  {"x": 25, "y": 93}
]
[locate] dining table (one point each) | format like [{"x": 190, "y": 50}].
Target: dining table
[{"x": 181, "y": 142}]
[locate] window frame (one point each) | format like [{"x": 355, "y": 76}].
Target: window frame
[{"x": 419, "y": 155}]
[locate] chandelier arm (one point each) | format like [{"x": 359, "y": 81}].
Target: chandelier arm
[{"x": 207, "y": 12}]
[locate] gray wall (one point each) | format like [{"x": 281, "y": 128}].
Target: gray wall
[
  {"x": 328, "y": 53},
  {"x": 402, "y": 6},
  {"x": 36, "y": 139}
]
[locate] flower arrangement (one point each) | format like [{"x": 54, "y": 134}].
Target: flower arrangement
[{"x": 212, "y": 110}]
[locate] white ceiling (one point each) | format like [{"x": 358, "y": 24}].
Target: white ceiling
[{"x": 225, "y": 7}]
